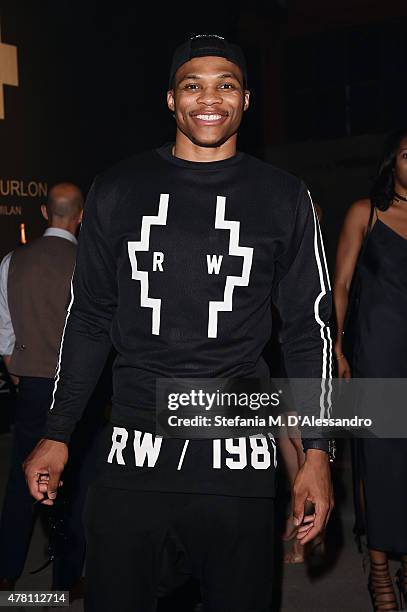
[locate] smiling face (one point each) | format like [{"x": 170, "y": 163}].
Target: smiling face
[
  {"x": 208, "y": 101},
  {"x": 400, "y": 167}
]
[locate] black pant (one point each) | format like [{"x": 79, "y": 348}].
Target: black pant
[
  {"x": 134, "y": 537},
  {"x": 18, "y": 515}
]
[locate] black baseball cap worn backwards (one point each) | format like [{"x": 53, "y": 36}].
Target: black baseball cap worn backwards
[{"x": 203, "y": 45}]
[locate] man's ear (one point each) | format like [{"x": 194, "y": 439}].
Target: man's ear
[
  {"x": 44, "y": 212},
  {"x": 246, "y": 99},
  {"x": 170, "y": 100}
]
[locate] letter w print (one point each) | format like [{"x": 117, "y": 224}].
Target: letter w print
[
  {"x": 213, "y": 261},
  {"x": 235, "y": 249}
]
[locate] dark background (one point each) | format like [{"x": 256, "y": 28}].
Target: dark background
[{"x": 327, "y": 80}]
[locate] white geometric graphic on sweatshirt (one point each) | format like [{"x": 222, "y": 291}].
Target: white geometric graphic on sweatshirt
[
  {"x": 144, "y": 245},
  {"x": 226, "y": 305}
]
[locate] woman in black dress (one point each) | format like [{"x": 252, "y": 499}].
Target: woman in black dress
[{"x": 374, "y": 240}]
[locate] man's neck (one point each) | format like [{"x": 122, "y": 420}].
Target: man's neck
[
  {"x": 63, "y": 226},
  {"x": 186, "y": 149}
]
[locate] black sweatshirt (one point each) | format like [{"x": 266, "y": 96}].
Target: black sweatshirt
[{"x": 177, "y": 264}]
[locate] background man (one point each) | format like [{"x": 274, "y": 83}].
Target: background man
[
  {"x": 146, "y": 282},
  {"x": 34, "y": 296}
]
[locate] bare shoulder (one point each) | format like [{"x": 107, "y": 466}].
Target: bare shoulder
[
  {"x": 359, "y": 212},
  {"x": 360, "y": 208}
]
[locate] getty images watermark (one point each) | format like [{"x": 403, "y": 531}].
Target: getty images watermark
[
  {"x": 217, "y": 408},
  {"x": 209, "y": 400}
]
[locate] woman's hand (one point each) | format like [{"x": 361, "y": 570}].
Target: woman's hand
[{"x": 343, "y": 367}]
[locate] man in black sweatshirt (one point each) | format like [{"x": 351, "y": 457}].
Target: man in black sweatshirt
[{"x": 181, "y": 252}]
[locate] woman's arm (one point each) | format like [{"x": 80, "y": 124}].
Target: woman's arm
[{"x": 349, "y": 245}]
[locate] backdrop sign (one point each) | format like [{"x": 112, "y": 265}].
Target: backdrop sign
[
  {"x": 20, "y": 202},
  {"x": 25, "y": 168}
]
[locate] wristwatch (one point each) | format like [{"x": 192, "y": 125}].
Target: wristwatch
[{"x": 320, "y": 444}]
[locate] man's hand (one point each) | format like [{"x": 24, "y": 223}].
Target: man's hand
[
  {"x": 313, "y": 484},
  {"x": 14, "y": 379},
  {"x": 43, "y": 468}
]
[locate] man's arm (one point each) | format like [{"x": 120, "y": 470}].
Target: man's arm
[
  {"x": 7, "y": 336},
  {"x": 303, "y": 298},
  {"x": 86, "y": 342},
  {"x": 85, "y": 346}
]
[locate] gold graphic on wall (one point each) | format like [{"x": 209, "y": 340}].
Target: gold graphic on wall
[
  {"x": 8, "y": 71},
  {"x": 23, "y": 238}
]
